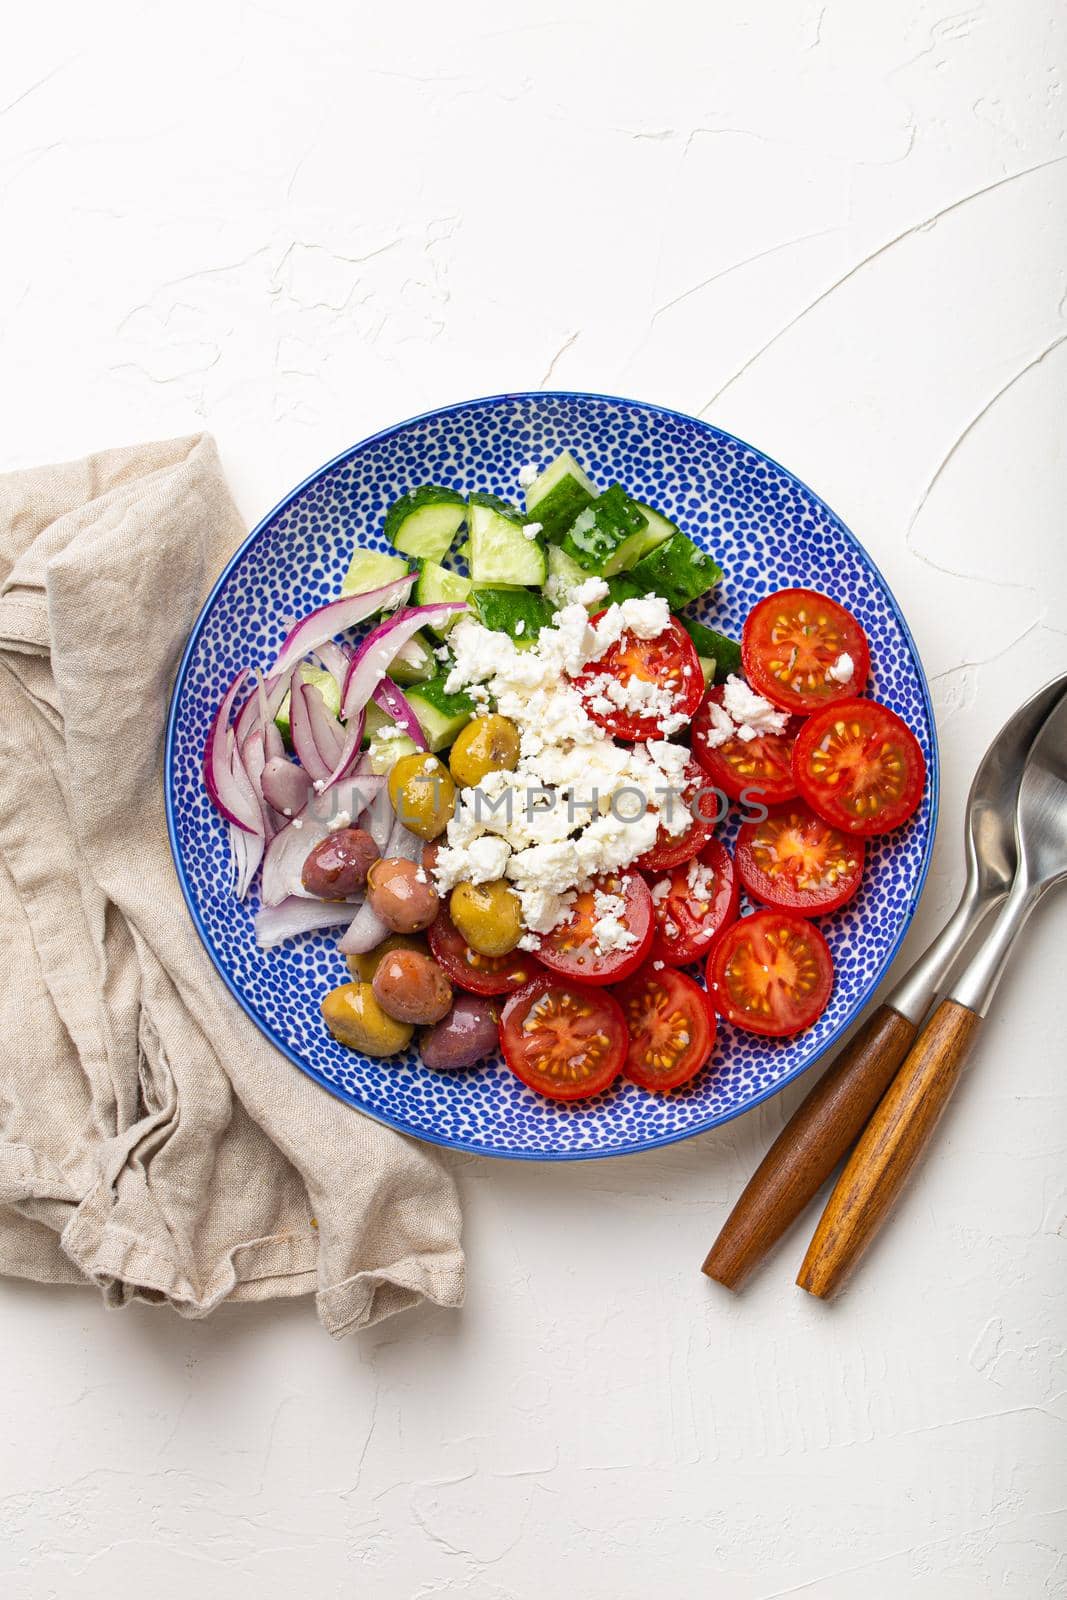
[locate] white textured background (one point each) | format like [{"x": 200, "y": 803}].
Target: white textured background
[{"x": 839, "y": 231}]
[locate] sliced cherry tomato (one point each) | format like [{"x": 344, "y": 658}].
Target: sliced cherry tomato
[
  {"x": 760, "y": 768},
  {"x": 667, "y": 663},
  {"x": 672, "y": 848},
  {"x": 858, "y": 766},
  {"x": 797, "y": 862},
  {"x": 692, "y": 905},
  {"x": 476, "y": 973},
  {"x": 671, "y": 1026},
  {"x": 771, "y": 973},
  {"x": 791, "y": 644},
  {"x": 563, "y": 1039},
  {"x": 572, "y": 949}
]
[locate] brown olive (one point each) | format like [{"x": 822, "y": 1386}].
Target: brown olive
[
  {"x": 430, "y": 852},
  {"x": 365, "y": 966},
  {"x": 465, "y": 1036},
  {"x": 355, "y": 1018},
  {"x": 412, "y": 987},
  {"x": 337, "y": 866},
  {"x": 401, "y": 894}
]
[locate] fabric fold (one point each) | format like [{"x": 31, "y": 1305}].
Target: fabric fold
[{"x": 152, "y": 1141}]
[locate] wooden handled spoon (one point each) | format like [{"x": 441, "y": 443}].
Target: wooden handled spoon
[
  {"x": 829, "y": 1121},
  {"x": 904, "y": 1122}
]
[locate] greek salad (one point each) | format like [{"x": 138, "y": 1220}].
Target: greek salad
[{"x": 500, "y": 760}]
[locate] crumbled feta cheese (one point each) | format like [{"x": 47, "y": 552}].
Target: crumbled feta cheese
[
  {"x": 530, "y": 530},
  {"x": 609, "y": 931},
  {"x": 589, "y": 592},
  {"x": 660, "y": 890},
  {"x": 297, "y": 823},
  {"x": 750, "y": 711},
  {"x": 700, "y": 881},
  {"x": 520, "y": 627},
  {"x": 578, "y": 806},
  {"x": 527, "y": 474},
  {"x": 843, "y": 669},
  {"x": 420, "y": 875}
]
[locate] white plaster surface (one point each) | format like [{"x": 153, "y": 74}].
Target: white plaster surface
[{"x": 837, "y": 230}]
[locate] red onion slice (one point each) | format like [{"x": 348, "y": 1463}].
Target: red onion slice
[
  {"x": 275, "y": 924},
  {"x": 302, "y": 734},
  {"x": 339, "y": 807},
  {"x": 286, "y": 786},
  {"x": 265, "y": 703},
  {"x": 370, "y": 661},
  {"x": 254, "y": 756},
  {"x": 225, "y": 779},
  {"x": 394, "y": 702},
  {"x": 324, "y": 623},
  {"x": 378, "y": 819},
  {"x": 326, "y": 731},
  {"x": 246, "y": 852},
  {"x": 334, "y": 660}
]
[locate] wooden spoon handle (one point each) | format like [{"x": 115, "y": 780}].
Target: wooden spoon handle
[
  {"x": 895, "y": 1138},
  {"x": 823, "y": 1128}
]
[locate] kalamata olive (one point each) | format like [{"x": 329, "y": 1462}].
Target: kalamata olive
[
  {"x": 355, "y": 1018},
  {"x": 401, "y": 894},
  {"x": 430, "y": 852},
  {"x": 285, "y": 786},
  {"x": 366, "y": 965},
  {"x": 337, "y": 866},
  {"x": 423, "y": 794},
  {"x": 465, "y": 1036},
  {"x": 412, "y": 987},
  {"x": 488, "y": 915}
]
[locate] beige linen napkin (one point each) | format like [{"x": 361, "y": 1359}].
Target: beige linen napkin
[{"x": 151, "y": 1140}]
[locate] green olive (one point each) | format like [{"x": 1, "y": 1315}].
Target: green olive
[
  {"x": 365, "y": 966},
  {"x": 488, "y": 744},
  {"x": 488, "y": 916},
  {"x": 355, "y": 1018},
  {"x": 423, "y": 794}
]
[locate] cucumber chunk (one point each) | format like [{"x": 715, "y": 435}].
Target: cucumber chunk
[
  {"x": 604, "y": 537},
  {"x": 386, "y": 747},
  {"x": 374, "y": 720},
  {"x": 326, "y": 684},
  {"x": 678, "y": 570},
  {"x": 425, "y": 521},
  {"x": 555, "y": 498},
  {"x": 414, "y": 663},
  {"x": 369, "y": 569},
  {"x": 519, "y": 613},
  {"x": 564, "y": 574},
  {"x": 436, "y": 583},
  {"x": 723, "y": 655},
  {"x": 441, "y": 716},
  {"x": 500, "y": 549},
  {"x": 623, "y": 587},
  {"x": 658, "y": 529}
]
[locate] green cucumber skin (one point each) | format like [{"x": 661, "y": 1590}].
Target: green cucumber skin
[
  {"x": 502, "y": 609},
  {"x": 556, "y": 507},
  {"x": 723, "y": 652},
  {"x": 504, "y": 508},
  {"x": 622, "y": 587},
  {"x": 436, "y": 583},
  {"x": 678, "y": 570},
  {"x": 441, "y": 715},
  {"x": 598, "y": 538},
  {"x": 657, "y": 530},
  {"x": 403, "y": 517}
]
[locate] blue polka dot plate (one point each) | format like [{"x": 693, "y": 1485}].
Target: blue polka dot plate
[{"x": 766, "y": 529}]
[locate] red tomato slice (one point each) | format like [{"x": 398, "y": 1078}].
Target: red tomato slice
[
  {"x": 859, "y": 767},
  {"x": 758, "y": 769},
  {"x": 771, "y": 973},
  {"x": 669, "y": 662},
  {"x": 563, "y": 1039},
  {"x": 571, "y": 949},
  {"x": 692, "y": 905},
  {"x": 671, "y": 1025},
  {"x": 476, "y": 973},
  {"x": 797, "y": 862},
  {"x": 790, "y": 644},
  {"x": 672, "y": 848}
]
